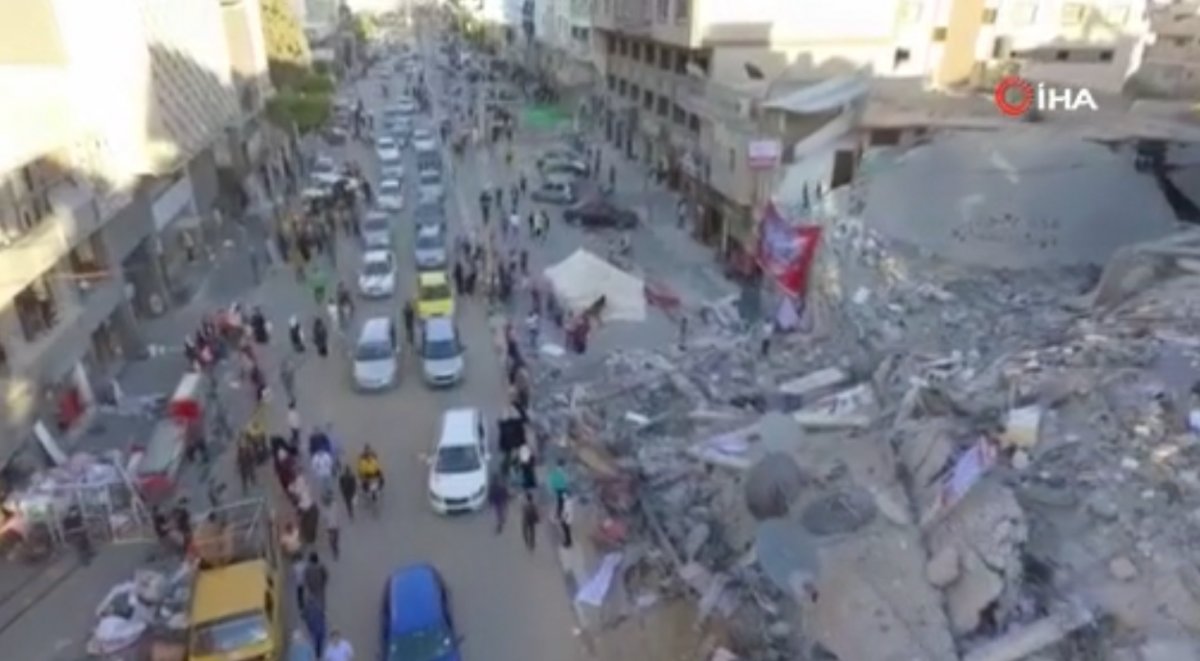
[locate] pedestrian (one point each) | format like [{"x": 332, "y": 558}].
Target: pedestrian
[
  {"x": 566, "y": 517},
  {"x": 529, "y": 522},
  {"x": 316, "y": 579},
  {"x": 528, "y": 468},
  {"x": 515, "y": 194},
  {"x": 514, "y": 224},
  {"x": 764, "y": 346},
  {"x": 459, "y": 278},
  {"x": 296, "y": 333},
  {"x": 339, "y": 649},
  {"x": 246, "y": 462},
  {"x": 559, "y": 484},
  {"x": 301, "y": 649},
  {"x": 287, "y": 377},
  {"x": 323, "y": 470},
  {"x": 533, "y": 325},
  {"x": 320, "y": 335},
  {"x": 612, "y": 178},
  {"x": 348, "y": 485},
  {"x": 498, "y": 498},
  {"x": 499, "y": 199},
  {"x": 293, "y": 421},
  {"x": 523, "y": 260},
  {"x": 259, "y": 327},
  {"x": 523, "y": 183},
  {"x": 409, "y": 320},
  {"x": 182, "y": 519},
  {"x": 332, "y": 529},
  {"x": 314, "y": 620},
  {"x": 683, "y": 332},
  {"x": 544, "y": 227},
  {"x": 531, "y": 221}
]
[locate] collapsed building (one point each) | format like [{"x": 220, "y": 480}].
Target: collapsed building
[{"x": 946, "y": 464}]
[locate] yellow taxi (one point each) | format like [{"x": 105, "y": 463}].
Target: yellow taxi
[
  {"x": 434, "y": 296},
  {"x": 237, "y": 614}
]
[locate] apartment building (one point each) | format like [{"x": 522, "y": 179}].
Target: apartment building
[
  {"x": 1171, "y": 66},
  {"x": 108, "y": 184},
  {"x": 685, "y": 81},
  {"x": 564, "y": 44}
]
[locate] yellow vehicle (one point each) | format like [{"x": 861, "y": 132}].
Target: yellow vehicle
[
  {"x": 237, "y": 607},
  {"x": 434, "y": 296}
]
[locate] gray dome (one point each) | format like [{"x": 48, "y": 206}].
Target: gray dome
[{"x": 1017, "y": 199}]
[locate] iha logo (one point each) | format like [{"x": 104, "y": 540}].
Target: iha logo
[{"x": 1016, "y": 96}]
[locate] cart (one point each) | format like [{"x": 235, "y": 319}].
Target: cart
[{"x": 155, "y": 465}]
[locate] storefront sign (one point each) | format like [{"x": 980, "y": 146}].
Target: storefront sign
[
  {"x": 786, "y": 251},
  {"x": 763, "y": 154}
]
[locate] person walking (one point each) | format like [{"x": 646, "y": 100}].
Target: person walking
[
  {"x": 338, "y": 649},
  {"x": 348, "y": 485},
  {"x": 320, "y": 335},
  {"x": 533, "y": 324},
  {"x": 323, "y": 470},
  {"x": 566, "y": 517},
  {"x": 459, "y": 278},
  {"x": 287, "y": 378},
  {"x": 246, "y": 462},
  {"x": 559, "y": 484},
  {"x": 409, "y": 320},
  {"x": 259, "y": 327},
  {"x": 293, "y": 421},
  {"x": 314, "y": 621},
  {"x": 296, "y": 333},
  {"x": 316, "y": 579},
  {"x": 498, "y": 499},
  {"x": 529, "y": 521},
  {"x": 301, "y": 649},
  {"x": 332, "y": 528}
]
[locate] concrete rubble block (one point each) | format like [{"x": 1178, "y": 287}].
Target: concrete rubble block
[
  {"x": 1122, "y": 569},
  {"x": 814, "y": 381},
  {"x": 1169, "y": 649},
  {"x": 854, "y": 407},
  {"x": 943, "y": 568},
  {"x": 977, "y": 588}
]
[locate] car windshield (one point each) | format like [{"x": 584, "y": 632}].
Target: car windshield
[
  {"x": 373, "y": 351},
  {"x": 377, "y": 267},
  {"x": 392, "y": 162},
  {"x": 441, "y": 349},
  {"x": 389, "y": 188},
  {"x": 428, "y": 211},
  {"x": 458, "y": 459},
  {"x": 230, "y": 634},
  {"x": 431, "y": 177},
  {"x": 385, "y": 144},
  {"x": 435, "y": 292},
  {"x": 428, "y": 242},
  {"x": 432, "y": 643},
  {"x": 375, "y": 225}
]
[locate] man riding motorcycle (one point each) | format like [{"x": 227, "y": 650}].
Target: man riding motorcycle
[{"x": 370, "y": 472}]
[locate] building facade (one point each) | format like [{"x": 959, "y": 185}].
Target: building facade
[
  {"x": 110, "y": 186},
  {"x": 1172, "y": 63}
]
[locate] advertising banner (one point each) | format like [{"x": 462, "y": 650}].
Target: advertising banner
[{"x": 786, "y": 251}]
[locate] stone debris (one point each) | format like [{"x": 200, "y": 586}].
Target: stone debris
[{"x": 950, "y": 465}]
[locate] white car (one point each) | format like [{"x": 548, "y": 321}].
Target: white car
[
  {"x": 324, "y": 173},
  {"x": 390, "y": 195},
  {"x": 458, "y": 469},
  {"x": 387, "y": 149},
  {"x": 406, "y": 106},
  {"x": 423, "y": 139},
  {"x": 377, "y": 277}
]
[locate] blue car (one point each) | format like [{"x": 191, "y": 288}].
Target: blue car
[{"x": 417, "y": 625}]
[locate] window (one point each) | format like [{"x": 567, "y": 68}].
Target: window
[
  {"x": 664, "y": 11},
  {"x": 610, "y": 45},
  {"x": 1116, "y": 15},
  {"x": 648, "y": 99},
  {"x": 635, "y": 51},
  {"x": 1106, "y": 56},
  {"x": 681, "y": 60},
  {"x": 989, "y": 16},
  {"x": 683, "y": 10},
  {"x": 4, "y": 365},
  {"x": 651, "y": 54},
  {"x": 939, "y": 35},
  {"x": 910, "y": 12},
  {"x": 1062, "y": 55},
  {"x": 1022, "y": 14},
  {"x": 732, "y": 159},
  {"x": 1002, "y": 48},
  {"x": 1181, "y": 42},
  {"x": 635, "y": 92},
  {"x": 36, "y": 309},
  {"x": 612, "y": 83},
  {"x": 622, "y": 86},
  {"x": 664, "y": 106},
  {"x": 693, "y": 123},
  {"x": 622, "y": 47},
  {"x": 701, "y": 60},
  {"x": 664, "y": 58},
  {"x": 900, "y": 57},
  {"x": 1074, "y": 13},
  {"x": 678, "y": 115}
]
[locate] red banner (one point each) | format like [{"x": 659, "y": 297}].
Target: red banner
[{"x": 786, "y": 251}]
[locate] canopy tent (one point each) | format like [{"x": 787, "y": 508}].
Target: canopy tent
[{"x": 582, "y": 278}]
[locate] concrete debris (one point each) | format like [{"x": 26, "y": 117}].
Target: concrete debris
[{"x": 971, "y": 452}]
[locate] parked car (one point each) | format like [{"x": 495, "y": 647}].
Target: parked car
[
  {"x": 376, "y": 354},
  {"x": 458, "y": 467},
  {"x": 390, "y": 194},
  {"x": 392, "y": 168},
  {"x": 377, "y": 230},
  {"x": 429, "y": 185},
  {"x": 563, "y": 166},
  {"x": 417, "y": 622},
  {"x": 377, "y": 275},
  {"x": 599, "y": 213},
  {"x": 429, "y": 248},
  {"x": 423, "y": 139},
  {"x": 441, "y": 352},
  {"x": 554, "y": 191},
  {"x": 429, "y": 213},
  {"x": 386, "y": 148},
  {"x": 406, "y": 106},
  {"x": 434, "y": 297}
]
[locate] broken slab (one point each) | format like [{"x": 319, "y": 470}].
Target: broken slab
[
  {"x": 1032, "y": 638},
  {"x": 814, "y": 381},
  {"x": 851, "y": 408}
]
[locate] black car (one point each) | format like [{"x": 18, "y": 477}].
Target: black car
[{"x": 600, "y": 213}]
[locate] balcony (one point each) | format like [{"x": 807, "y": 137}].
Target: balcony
[
  {"x": 55, "y": 351},
  {"x": 74, "y": 216}
]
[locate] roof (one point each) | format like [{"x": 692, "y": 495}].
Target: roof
[
  {"x": 456, "y": 426},
  {"x": 376, "y": 256},
  {"x": 375, "y": 326},
  {"x": 413, "y": 593},
  {"x": 431, "y": 279},
  {"x": 229, "y": 590},
  {"x": 439, "y": 328}
]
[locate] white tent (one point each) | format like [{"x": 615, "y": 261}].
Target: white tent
[{"x": 582, "y": 278}]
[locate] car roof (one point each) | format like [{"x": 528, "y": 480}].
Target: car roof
[
  {"x": 431, "y": 278},
  {"x": 415, "y": 603},
  {"x": 458, "y": 427},
  {"x": 376, "y": 256},
  {"x": 377, "y": 214},
  {"x": 384, "y": 138},
  {"x": 429, "y": 230},
  {"x": 439, "y": 328},
  {"x": 230, "y": 590},
  {"x": 389, "y": 182}
]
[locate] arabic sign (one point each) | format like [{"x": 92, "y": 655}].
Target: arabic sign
[{"x": 763, "y": 154}]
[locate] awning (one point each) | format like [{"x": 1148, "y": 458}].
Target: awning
[{"x": 581, "y": 279}]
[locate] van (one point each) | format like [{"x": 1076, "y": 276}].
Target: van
[
  {"x": 376, "y": 353},
  {"x": 441, "y": 352}
]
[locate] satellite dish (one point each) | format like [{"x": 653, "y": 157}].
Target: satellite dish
[{"x": 787, "y": 554}]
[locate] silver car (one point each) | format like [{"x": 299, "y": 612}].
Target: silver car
[
  {"x": 423, "y": 139},
  {"x": 376, "y": 355},
  {"x": 377, "y": 230},
  {"x": 429, "y": 185},
  {"x": 441, "y": 352},
  {"x": 429, "y": 248}
]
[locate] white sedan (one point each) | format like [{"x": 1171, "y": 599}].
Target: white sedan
[
  {"x": 458, "y": 469},
  {"x": 390, "y": 196},
  {"x": 424, "y": 140},
  {"x": 387, "y": 149},
  {"x": 377, "y": 279}
]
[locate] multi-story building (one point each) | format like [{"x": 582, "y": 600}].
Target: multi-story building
[
  {"x": 564, "y": 45},
  {"x": 685, "y": 81},
  {"x": 108, "y": 183},
  {"x": 1171, "y": 66}
]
